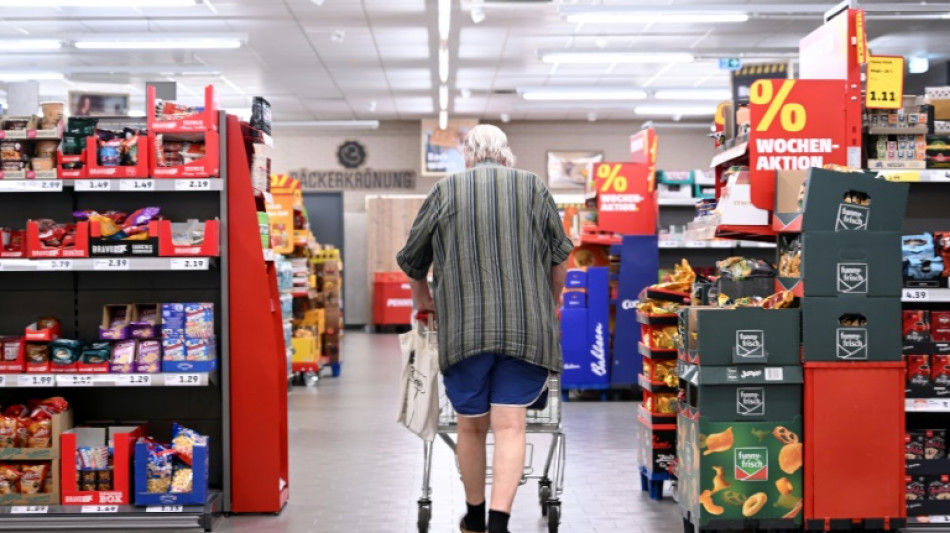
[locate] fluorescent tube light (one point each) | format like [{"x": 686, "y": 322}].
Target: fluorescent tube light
[
  {"x": 675, "y": 110},
  {"x": 478, "y": 15},
  {"x": 445, "y": 18},
  {"x": 547, "y": 94},
  {"x": 633, "y": 17},
  {"x": 31, "y": 4},
  {"x": 443, "y": 64},
  {"x": 444, "y": 97},
  {"x": 167, "y": 42},
  {"x": 693, "y": 94},
  {"x": 30, "y": 76},
  {"x": 329, "y": 124},
  {"x": 443, "y": 120},
  {"x": 616, "y": 57},
  {"x": 22, "y": 45}
]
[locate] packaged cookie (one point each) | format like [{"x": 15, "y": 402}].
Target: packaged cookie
[
  {"x": 123, "y": 357},
  {"x": 148, "y": 359}
]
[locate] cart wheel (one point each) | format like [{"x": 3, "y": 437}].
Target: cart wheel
[
  {"x": 554, "y": 516},
  {"x": 544, "y": 494},
  {"x": 425, "y": 513},
  {"x": 310, "y": 379},
  {"x": 688, "y": 526}
]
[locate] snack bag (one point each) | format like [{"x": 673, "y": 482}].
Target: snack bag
[
  {"x": 34, "y": 478},
  {"x": 9, "y": 479},
  {"x": 182, "y": 479},
  {"x": 158, "y": 469},
  {"x": 39, "y": 430},
  {"x": 184, "y": 441},
  {"x": 8, "y": 432}
]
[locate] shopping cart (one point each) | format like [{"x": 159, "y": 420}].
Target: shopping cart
[{"x": 544, "y": 417}]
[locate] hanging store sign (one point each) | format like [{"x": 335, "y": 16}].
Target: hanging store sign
[
  {"x": 626, "y": 198},
  {"x": 797, "y": 124},
  {"x": 885, "y": 89}
]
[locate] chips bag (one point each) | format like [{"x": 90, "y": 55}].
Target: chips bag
[
  {"x": 184, "y": 441},
  {"x": 158, "y": 468}
]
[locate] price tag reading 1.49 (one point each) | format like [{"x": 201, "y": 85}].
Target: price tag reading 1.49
[
  {"x": 137, "y": 185},
  {"x": 99, "y": 509},
  {"x": 29, "y": 509},
  {"x": 93, "y": 185},
  {"x": 189, "y": 263}
]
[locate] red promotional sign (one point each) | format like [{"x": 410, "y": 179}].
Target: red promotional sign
[
  {"x": 626, "y": 198},
  {"x": 797, "y": 124},
  {"x": 643, "y": 146}
]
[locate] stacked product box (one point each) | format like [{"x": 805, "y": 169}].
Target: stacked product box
[
  {"x": 585, "y": 338},
  {"x": 840, "y": 249},
  {"x": 330, "y": 287},
  {"x": 188, "y": 339},
  {"x": 739, "y": 424}
]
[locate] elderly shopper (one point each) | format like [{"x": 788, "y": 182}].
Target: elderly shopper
[{"x": 497, "y": 249}]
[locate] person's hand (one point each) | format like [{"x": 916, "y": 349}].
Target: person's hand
[{"x": 425, "y": 305}]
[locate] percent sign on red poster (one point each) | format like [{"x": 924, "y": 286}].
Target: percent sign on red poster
[{"x": 626, "y": 198}]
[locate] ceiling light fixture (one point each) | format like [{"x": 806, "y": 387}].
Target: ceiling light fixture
[
  {"x": 444, "y": 97},
  {"x": 592, "y": 117},
  {"x": 616, "y": 57},
  {"x": 443, "y": 120},
  {"x": 329, "y": 124},
  {"x": 164, "y": 42},
  {"x": 25, "y": 45},
  {"x": 445, "y": 19},
  {"x": 371, "y": 106},
  {"x": 634, "y": 17},
  {"x": 693, "y": 94},
  {"x": 443, "y": 64},
  {"x": 318, "y": 2},
  {"x": 32, "y": 4},
  {"x": 30, "y": 76},
  {"x": 672, "y": 110},
  {"x": 505, "y": 118},
  {"x": 338, "y": 36},
  {"x": 551, "y": 94},
  {"x": 478, "y": 15},
  {"x": 918, "y": 65}
]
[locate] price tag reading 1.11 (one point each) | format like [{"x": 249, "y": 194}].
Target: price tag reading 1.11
[
  {"x": 916, "y": 295},
  {"x": 189, "y": 263},
  {"x": 137, "y": 185}
]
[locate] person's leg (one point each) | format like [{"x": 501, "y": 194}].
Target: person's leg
[
  {"x": 508, "y": 425},
  {"x": 470, "y": 449}
]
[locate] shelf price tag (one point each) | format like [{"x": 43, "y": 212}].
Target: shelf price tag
[
  {"x": 916, "y": 295},
  {"x": 902, "y": 175},
  {"x": 29, "y": 509},
  {"x": 42, "y": 185},
  {"x": 99, "y": 509},
  {"x": 76, "y": 380},
  {"x": 115, "y": 263},
  {"x": 696, "y": 244},
  {"x": 193, "y": 185},
  {"x": 885, "y": 86},
  {"x": 133, "y": 380},
  {"x": 137, "y": 185},
  {"x": 165, "y": 509},
  {"x": 55, "y": 264},
  {"x": 35, "y": 380},
  {"x": 183, "y": 380},
  {"x": 3, "y": 380},
  {"x": 93, "y": 185},
  {"x": 189, "y": 263}
]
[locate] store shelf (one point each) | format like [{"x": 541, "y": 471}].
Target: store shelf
[
  {"x": 602, "y": 239},
  {"x": 684, "y": 245},
  {"x": 885, "y": 130},
  {"x": 730, "y": 154},
  {"x": 925, "y": 295},
  {"x": 927, "y": 405},
  {"x": 746, "y": 233},
  {"x": 928, "y": 467},
  {"x": 655, "y": 386},
  {"x": 107, "y": 264},
  {"x": 24, "y": 381},
  {"x": 911, "y": 175},
  {"x": 100, "y": 517},
  {"x": 678, "y": 202},
  {"x": 114, "y": 185},
  {"x": 655, "y": 353}
]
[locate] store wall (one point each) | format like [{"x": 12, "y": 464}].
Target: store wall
[{"x": 396, "y": 146}]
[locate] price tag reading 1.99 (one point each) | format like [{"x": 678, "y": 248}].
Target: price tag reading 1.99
[{"x": 35, "y": 380}]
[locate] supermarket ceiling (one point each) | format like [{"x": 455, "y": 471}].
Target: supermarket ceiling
[{"x": 379, "y": 59}]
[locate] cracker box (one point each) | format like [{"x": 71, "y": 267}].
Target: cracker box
[{"x": 940, "y": 326}]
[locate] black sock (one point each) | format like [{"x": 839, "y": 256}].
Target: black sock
[
  {"x": 498, "y": 521},
  {"x": 475, "y": 519}
]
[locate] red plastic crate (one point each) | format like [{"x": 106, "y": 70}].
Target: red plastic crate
[
  {"x": 167, "y": 247},
  {"x": 71, "y": 173},
  {"x": 206, "y": 167},
  {"x": 124, "y": 439},
  {"x": 37, "y": 250},
  {"x": 854, "y": 442},
  {"x": 206, "y": 120},
  {"x": 94, "y": 170},
  {"x": 392, "y": 299}
]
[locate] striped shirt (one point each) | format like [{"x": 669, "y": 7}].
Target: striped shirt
[{"x": 492, "y": 235}]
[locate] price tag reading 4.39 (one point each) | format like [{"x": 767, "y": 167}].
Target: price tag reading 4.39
[
  {"x": 916, "y": 295},
  {"x": 189, "y": 263}
]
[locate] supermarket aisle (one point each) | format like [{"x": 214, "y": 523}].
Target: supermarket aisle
[{"x": 354, "y": 470}]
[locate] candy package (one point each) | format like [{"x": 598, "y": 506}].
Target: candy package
[
  {"x": 158, "y": 469},
  {"x": 118, "y": 226},
  {"x": 184, "y": 441},
  {"x": 56, "y": 235},
  {"x": 96, "y": 353},
  {"x": 790, "y": 258},
  {"x": 65, "y": 351},
  {"x": 740, "y": 268}
]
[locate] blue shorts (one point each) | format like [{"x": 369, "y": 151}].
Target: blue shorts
[{"x": 478, "y": 382}]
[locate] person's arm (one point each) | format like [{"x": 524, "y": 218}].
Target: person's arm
[
  {"x": 415, "y": 258},
  {"x": 558, "y": 275},
  {"x": 422, "y": 296}
]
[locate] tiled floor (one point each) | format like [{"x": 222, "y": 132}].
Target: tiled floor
[{"x": 354, "y": 470}]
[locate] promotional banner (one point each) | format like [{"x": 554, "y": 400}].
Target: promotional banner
[
  {"x": 797, "y": 124},
  {"x": 885, "y": 89},
  {"x": 626, "y": 198},
  {"x": 284, "y": 191}
]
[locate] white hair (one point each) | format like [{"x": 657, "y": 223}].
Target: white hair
[{"x": 485, "y": 142}]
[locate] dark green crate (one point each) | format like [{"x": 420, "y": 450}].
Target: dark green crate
[
  {"x": 743, "y": 393},
  {"x": 855, "y": 263},
  {"x": 825, "y": 338},
  {"x": 743, "y": 336}
]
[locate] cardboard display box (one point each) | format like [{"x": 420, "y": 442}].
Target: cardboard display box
[
  {"x": 851, "y": 263},
  {"x": 122, "y": 439},
  {"x": 743, "y": 336},
  {"x": 833, "y": 331},
  {"x": 199, "y": 493},
  {"x": 825, "y": 206},
  {"x": 743, "y": 393},
  {"x": 727, "y": 464}
]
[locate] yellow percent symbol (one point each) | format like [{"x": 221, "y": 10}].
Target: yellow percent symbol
[
  {"x": 792, "y": 116},
  {"x": 613, "y": 181}
]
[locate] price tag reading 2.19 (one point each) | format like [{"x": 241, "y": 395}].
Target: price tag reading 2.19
[{"x": 189, "y": 263}]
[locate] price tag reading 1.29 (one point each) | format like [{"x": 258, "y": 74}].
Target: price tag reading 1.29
[
  {"x": 916, "y": 295},
  {"x": 182, "y": 380},
  {"x": 133, "y": 380},
  {"x": 137, "y": 185},
  {"x": 189, "y": 263}
]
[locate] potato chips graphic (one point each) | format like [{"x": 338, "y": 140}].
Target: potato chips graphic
[
  {"x": 754, "y": 504},
  {"x": 719, "y": 482},
  {"x": 732, "y": 497},
  {"x": 706, "y": 500},
  {"x": 790, "y": 458},
  {"x": 784, "y": 486},
  {"x": 719, "y": 442}
]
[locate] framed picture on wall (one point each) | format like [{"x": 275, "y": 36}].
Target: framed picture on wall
[
  {"x": 442, "y": 149},
  {"x": 571, "y": 169},
  {"x": 93, "y": 104}
]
